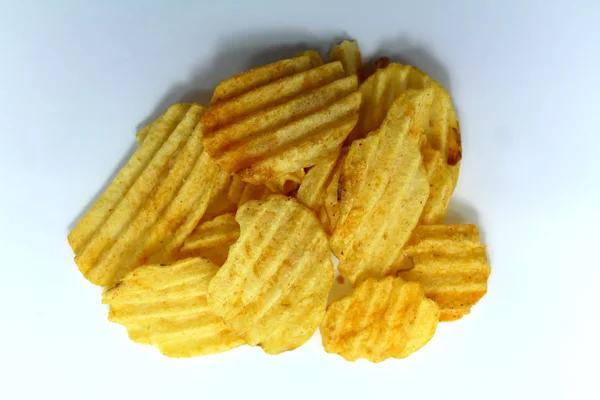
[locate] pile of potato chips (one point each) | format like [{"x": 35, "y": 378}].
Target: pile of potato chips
[{"x": 218, "y": 231}]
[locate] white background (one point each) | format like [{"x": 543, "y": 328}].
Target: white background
[{"x": 78, "y": 79}]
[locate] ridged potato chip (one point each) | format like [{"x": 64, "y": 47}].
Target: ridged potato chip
[
  {"x": 441, "y": 186},
  {"x": 280, "y": 118},
  {"x": 220, "y": 202},
  {"x": 286, "y": 183},
  {"x": 348, "y": 54},
  {"x": 142, "y": 133},
  {"x": 314, "y": 191},
  {"x": 384, "y": 188},
  {"x": 387, "y": 83},
  {"x": 333, "y": 192},
  {"x": 153, "y": 203},
  {"x": 315, "y": 57},
  {"x": 451, "y": 265},
  {"x": 272, "y": 290},
  {"x": 166, "y": 306},
  {"x": 233, "y": 192},
  {"x": 212, "y": 239},
  {"x": 378, "y": 320}
]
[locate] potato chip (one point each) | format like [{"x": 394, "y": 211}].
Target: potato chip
[
  {"x": 386, "y": 84},
  {"x": 314, "y": 56},
  {"x": 312, "y": 193},
  {"x": 273, "y": 288},
  {"x": 212, "y": 239},
  {"x": 141, "y": 135},
  {"x": 333, "y": 192},
  {"x": 220, "y": 202},
  {"x": 286, "y": 183},
  {"x": 348, "y": 54},
  {"x": 441, "y": 186},
  {"x": 166, "y": 306},
  {"x": 153, "y": 203},
  {"x": 451, "y": 265},
  {"x": 384, "y": 187},
  {"x": 378, "y": 320},
  {"x": 280, "y": 118}
]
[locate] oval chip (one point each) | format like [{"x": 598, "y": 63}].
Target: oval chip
[
  {"x": 212, "y": 239},
  {"x": 384, "y": 187},
  {"x": 378, "y": 320},
  {"x": 153, "y": 203},
  {"x": 166, "y": 306},
  {"x": 451, "y": 265},
  {"x": 273, "y": 288},
  {"x": 280, "y": 118}
]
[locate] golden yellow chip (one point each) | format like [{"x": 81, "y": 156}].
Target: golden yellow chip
[
  {"x": 386, "y": 84},
  {"x": 273, "y": 288},
  {"x": 220, "y": 202},
  {"x": 314, "y": 55},
  {"x": 286, "y": 183},
  {"x": 313, "y": 192},
  {"x": 378, "y": 320},
  {"x": 333, "y": 192},
  {"x": 141, "y": 135},
  {"x": 280, "y": 118},
  {"x": 166, "y": 306},
  {"x": 451, "y": 264},
  {"x": 384, "y": 188},
  {"x": 348, "y": 54},
  {"x": 153, "y": 203},
  {"x": 441, "y": 186},
  {"x": 241, "y": 192},
  {"x": 212, "y": 239}
]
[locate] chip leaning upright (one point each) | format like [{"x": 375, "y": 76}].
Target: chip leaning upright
[
  {"x": 384, "y": 187},
  {"x": 152, "y": 204},
  {"x": 281, "y": 117},
  {"x": 273, "y": 288},
  {"x": 348, "y": 54},
  {"x": 442, "y": 132}
]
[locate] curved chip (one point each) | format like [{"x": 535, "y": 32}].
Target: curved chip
[
  {"x": 142, "y": 133},
  {"x": 286, "y": 183},
  {"x": 314, "y": 55},
  {"x": 280, "y": 118},
  {"x": 273, "y": 288},
  {"x": 315, "y": 190},
  {"x": 220, "y": 202},
  {"x": 384, "y": 187},
  {"x": 385, "y": 85},
  {"x": 212, "y": 239},
  {"x": 348, "y": 54},
  {"x": 152, "y": 204},
  {"x": 378, "y": 320},
  {"x": 441, "y": 186},
  {"x": 333, "y": 192},
  {"x": 451, "y": 265},
  {"x": 166, "y": 306}
]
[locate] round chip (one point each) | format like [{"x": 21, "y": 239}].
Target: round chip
[
  {"x": 380, "y": 319},
  {"x": 273, "y": 288},
  {"x": 166, "y": 306}
]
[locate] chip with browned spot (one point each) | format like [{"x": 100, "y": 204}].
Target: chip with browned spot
[
  {"x": 281, "y": 117},
  {"x": 451, "y": 264},
  {"x": 380, "y": 319},
  {"x": 152, "y": 204}
]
